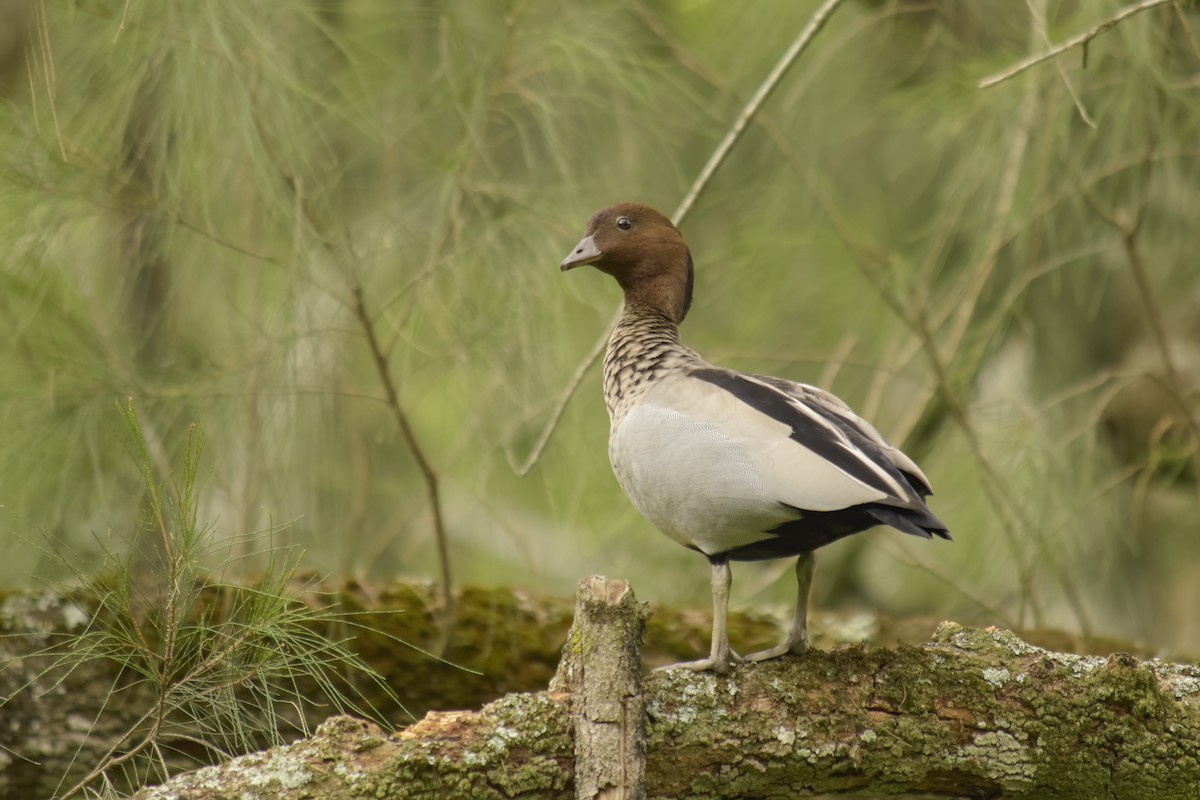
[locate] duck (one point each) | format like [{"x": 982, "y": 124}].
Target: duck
[{"x": 736, "y": 466}]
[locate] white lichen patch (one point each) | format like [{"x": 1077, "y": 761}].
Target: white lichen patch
[
  {"x": 207, "y": 779},
  {"x": 499, "y": 741},
  {"x": 74, "y": 616},
  {"x": 685, "y": 714},
  {"x": 282, "y": 767},
  {"x": 694, "y": 692},
  {"x": 1185, "y": 686},
  {"x": 996, "y": 677},
  {"x": 1180, "y": 680},
  {"x": 507, "y": 733},
  {"x": 703, "y": 684},
  {"x": 1011, "y": 642},
  {"x": 532, "y": 715},
  {"x": 823, "y": 751},
  {"x": 1079, "y": 665},
  {"x": 350, "y": 776},
  {"x": 868, "y": 736},
  {"x": 782, "y": 743},
  {"x": 1003, "y": 757}
]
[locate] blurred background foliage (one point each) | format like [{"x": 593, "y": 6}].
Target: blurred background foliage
[{"x": 1005, "y": 280}]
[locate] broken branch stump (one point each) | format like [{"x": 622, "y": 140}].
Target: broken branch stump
[{"x": 601, "y": 669}]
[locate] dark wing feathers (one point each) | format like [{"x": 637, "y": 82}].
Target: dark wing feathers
[
  {"x": 831, "y": 408},
  {"x": 848, "y": 443},
  {"x": 821, "y": 439}
]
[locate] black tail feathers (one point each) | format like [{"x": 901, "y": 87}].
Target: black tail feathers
[{"x": 916, "y": 522}]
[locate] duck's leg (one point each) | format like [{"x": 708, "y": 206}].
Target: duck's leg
[
  {"x": 720, "y": 656},
  {"x": 797, "y": 638}
]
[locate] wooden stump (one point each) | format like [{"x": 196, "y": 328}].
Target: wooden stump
[{"x": 601, "y": 668}]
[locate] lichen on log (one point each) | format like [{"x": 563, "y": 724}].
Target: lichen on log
[{"x": 974, "y": 713}]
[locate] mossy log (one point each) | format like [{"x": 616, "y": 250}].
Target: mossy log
[
  {"x": 1057, "y": 710},
  {"x": 974, "y": 713}
]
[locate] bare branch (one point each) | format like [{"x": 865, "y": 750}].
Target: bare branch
[
  {"x": 818, "y": 20},
  {"x": 1037, "y": 11},
  {"x": 428, "y": 473},
  {"x": 121, "y": 25},
  {"x": 1187, "y": 28},
  {"x": 304, "y": 216},
  {"x": 1075, "y": 41},
  {"x": 564, "y": 398}
]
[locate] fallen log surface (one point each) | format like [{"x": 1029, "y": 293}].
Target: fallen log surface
[
  {"x": 974, "y": 713},
  {"x": 58, "y": 723}
]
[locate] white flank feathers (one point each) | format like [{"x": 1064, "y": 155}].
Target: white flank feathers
[{"x": 714, "y": 473}]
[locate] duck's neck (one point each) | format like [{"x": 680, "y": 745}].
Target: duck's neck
[
  {"x": 642, "y": 327},
  {"x": 643, "y": 348},
  {"x": 652, "y": 286}
]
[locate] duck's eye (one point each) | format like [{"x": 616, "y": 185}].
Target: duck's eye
[{"x": 624, "y": 223}]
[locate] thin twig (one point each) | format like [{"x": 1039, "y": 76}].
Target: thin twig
[
  {"x": 563, "y": 399},
  {"x": 837, "y": 359},
  {"x": 815, "y": 23},
  {"x": 1075, "y": 41},
  {"x": 1187, "y": 28},
  {"x": 1037, "y": 11},
  {"x": 43, "y": 29},
  {"x": 428, "y": 473},
  {"x": 121, "y": 25}
]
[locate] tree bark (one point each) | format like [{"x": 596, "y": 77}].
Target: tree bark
[
  {"x": 974, "y": 713},
  {"x": 601, "y": 671}
]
